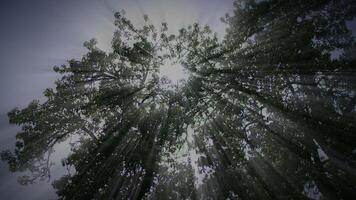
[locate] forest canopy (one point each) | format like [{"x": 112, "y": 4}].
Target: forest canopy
[{"x": 268, "y": 112}]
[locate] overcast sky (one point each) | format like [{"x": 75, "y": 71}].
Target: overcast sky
[{"x": 35, "y": 35}]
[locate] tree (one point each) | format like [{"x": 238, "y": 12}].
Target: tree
[
  {"x": 268, "y": 112},
  {"x": 116, "y": 103},
  {"x": 275, "y": 71}
]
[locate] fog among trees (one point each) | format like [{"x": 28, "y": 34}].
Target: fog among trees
[{"x": 267, "y": 112}]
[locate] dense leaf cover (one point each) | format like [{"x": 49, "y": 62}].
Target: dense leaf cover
[{"x": 269, "y": 112}]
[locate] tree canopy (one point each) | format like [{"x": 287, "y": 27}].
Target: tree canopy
[{"x": 269, "y": 112}]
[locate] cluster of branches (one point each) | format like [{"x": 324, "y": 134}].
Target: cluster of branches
[{"x": 272, "y": 107}]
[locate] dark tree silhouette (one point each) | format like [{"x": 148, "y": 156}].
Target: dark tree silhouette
[{"x": 269, "y": 112}]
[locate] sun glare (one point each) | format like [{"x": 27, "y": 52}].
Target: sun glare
[{"x": 174, "y": 72}]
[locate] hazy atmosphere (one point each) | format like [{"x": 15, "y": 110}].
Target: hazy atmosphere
[{"x": 258, "y": 104}]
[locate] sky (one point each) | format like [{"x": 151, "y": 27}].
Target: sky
[
  {"x": 36, "y": 35},
  {"x": 39, "y": 34}
]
